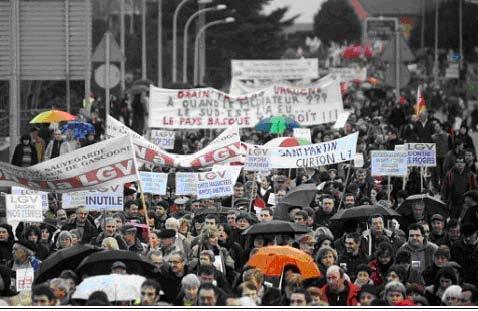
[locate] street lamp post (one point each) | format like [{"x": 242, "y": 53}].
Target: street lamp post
[
  {"x": 219, "y": 7},
  {"x": 175, "y": 27},
  {"x": 196, "y": 43}
]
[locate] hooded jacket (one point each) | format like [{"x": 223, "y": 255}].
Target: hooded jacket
[{"x": 424, "y": 254}]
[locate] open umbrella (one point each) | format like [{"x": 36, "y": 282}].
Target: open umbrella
[
  {"x": 286, "y": 142},
  {"x": 220, "y": 211},
  {"x": 64, "y": 259},
  {"x": 432, "y": 205},
  {"x": 100, "y": 263},
  {"x": 300, "y": 196},
  {"x": 364, "y": 211},
  {"x": 53, "y": 116},
  {"x": 79, "y": 129},
  {"x": 271, "y": 260},
  {"x": 118, "y": 287},
  {"x": 276, "y": 124},
  {"x": 275, "y": 227}
]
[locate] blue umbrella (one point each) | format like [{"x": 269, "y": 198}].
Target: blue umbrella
[
  {"x": 276, "y": 124},
  {"x": 79, "y": 129}
]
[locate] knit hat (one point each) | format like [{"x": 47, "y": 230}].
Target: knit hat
[{"x": 443, "y": 251}]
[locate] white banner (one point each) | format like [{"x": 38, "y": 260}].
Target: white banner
[
  {"x": 155, "y": 183},
  {"x": 102, "y": 164},
  {"x": 145, "y": 151},
  {"x": 326, "y": 153},
  {"x": 341, "y": 120},
  {"x": 23, "y": 191},
  {"x": 275, "y": 69},
  {"x": 257, "y": 159},
  {"x": 210, "y": 108},
  {"x": 304, "y": 134},
  {"x": 27, "y": 207},
  {"x": 422, "y": 154},
  {"x": 104, "y": 198},
  {"x": 186, "y": 184},
  {"x": 389, "y": 163},
  {"x": 163, "y": 138},
  {"x": 215, "y": 184},
  {"x": 347, "y": 74}
]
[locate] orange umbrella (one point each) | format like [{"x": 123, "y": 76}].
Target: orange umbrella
[
  {"x": 53, "y": 116},
  {"x": 271, "y": 260}
]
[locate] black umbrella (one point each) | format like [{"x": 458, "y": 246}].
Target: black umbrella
[
  {"x": 220, "y": 211},
  {"x": 300, "y": 196},
  {"x": 364, "y": 211},
  {"x": 63, "y": 259},
  {"x": 275, "y": 227},
  {"x": 432, "y": 205},
  {"x": 100, "y": 263}
]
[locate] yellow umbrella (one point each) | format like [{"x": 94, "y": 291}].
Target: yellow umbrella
[{"x": 53, "y": 116}]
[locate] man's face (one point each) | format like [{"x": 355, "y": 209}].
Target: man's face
[
  {"x": 437, "y": 226},
  {"x": 460, "y": 164},
  {"x": 148, "y": 296},
  {"x": 160, "y": 211},
  {"x": 157, "y": 260},
  {"x": 231, "y": 220},
  {"x": 81, "y": 215},
  {"x": 41, "y": 300},
  {"x": 206, "y": 278},
  {"x": 190, "y": 292},
  {"x": 417, "y": 210},
  {"x": 243, "y": 223},
  {"x": 454, "y": 233},
  {"x": 328, "y": 206},
  {"x": 280, "y": 195},
  {"x": 469, "y": 157},
  {"x": 361, "y": 176},
  {"x": 334, "y": 281},
  {"x": 299, "y": 219},
  {"x": 415, "y": 237},
  {"x": 33, "y": 237},
  {"x": 351, "y": 246},
  {"x": 61, "y": 216},
  {"x": 298, "y": 299},
  {"x": 366, "y": 299},
  {"x": 176, "y": 263},
  {"x": 4, "y": 234},
  {"x": 19, "y": 254},
  {"x": 265, "y": 216},
  {"x": 130, "y": 238},
  {"x": 58, "y": 136},
  {"x": 195, "y": 206},
  {"x": 238, "y": 192},
  {"x": 349, "y": 201},
  {"x": 246, "y": 292},
  {"x": 377, "y": 225},
  {"x": 110, "y": 228},
  {"x": 166, "y": 242},
  {"x": 210, "y": 223},
  {"x": 440, "y": 261},
  {"x": 133, "y": 210},
  {"x": 394, "y": 297},
  {"x": 207, "y": 297},
  {"x": 205, "y": 260}
]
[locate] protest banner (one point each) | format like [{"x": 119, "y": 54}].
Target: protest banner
[
  {"x": 389, "y": 163},
  {"x": 325, "y": 153},
  {"x": 24, "y": 207},
  {"x": 210, "y": 108},
  {"x": 341, "y": 120},
  {"x": 186, "y": 184},
  {"x": 225, "y": 148},
  {"x": 101, "y": 199},
  {"x": 163, "y": 138},
  {"x": 23, "y": 191},
  {"x": 101, "y": 164},
  {"x": 145, "y": 151},
  {"x": 257, "y": 159},
  {"x": 155, "y": 183},
  {"x": 303, "y": 134},
  {"x": 347, "y": 74},
  {"x": 215, "y": 184},
  {"x": 24, "y": 279},
  {"x": 421, "y": 154},
  {"x": 275, "y": 69}
]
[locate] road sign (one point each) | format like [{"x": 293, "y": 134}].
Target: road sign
[
  {"x": 100, "y": 53},
  {"x": 114, "y": 76},
  {"x": 380, "y": 28}
]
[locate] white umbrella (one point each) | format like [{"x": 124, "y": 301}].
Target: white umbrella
[{"x": 118, "y": 287}]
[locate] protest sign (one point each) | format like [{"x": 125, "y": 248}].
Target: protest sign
[
  {"x": 389, "y": 163},
  {"x": 104, "y": 198},
  {"x": 347, "y": 74},
  {"x": 258, "y": 159},
  {"x": 101, "y": 164},
  {"x": 341, "y": 120},
  {"x": 145, "y": 151},
  {"x": 421, "y": 154},
  {"x": 326, "y": 153},
  {"x": 24, "y": 279},
  {"x": 400, "y": 148},
  {"x": 215, "y": 184},
  {"x": 275, "y": 69},
  {"x": 163, "y": 138},
  {"x": 186, "y": 183},
  {"x": 272, "y": 199},
  {"x": 155, "y": 183},
  {"x": 359, "y": 160},
  {"x": 23, "y": 191},
  {"x": 210, "y": 108},
  {"x": 24, "y": 207},
  {"x": 303, "y": 134}
]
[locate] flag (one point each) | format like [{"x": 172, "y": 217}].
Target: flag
[{"x": 420, "y": 106}]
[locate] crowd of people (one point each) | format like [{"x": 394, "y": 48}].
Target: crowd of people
[{"x": 200, "y": 258}]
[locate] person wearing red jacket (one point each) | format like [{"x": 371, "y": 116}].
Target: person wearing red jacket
[
  {"x": 395, "y": 294},
  {"x": 338, "y": 291}
]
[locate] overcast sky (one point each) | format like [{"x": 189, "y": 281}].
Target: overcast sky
[{"x": 306, "y": 8}]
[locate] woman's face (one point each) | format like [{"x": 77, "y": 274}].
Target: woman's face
[
  {"x": 45, "y": 234},
  {"x": 445, "y": 282},
  {"x": 325, "y": 243},
  {"x": 392, "y": 276},
  {"x": 385, "y": 258},
  {"x": 33, "y": 237},
  {"x": 212, "y": 240},
  {"x": 190, "y": 292},
  {"x": 74, "y": 239},
  {"x": 65, "y": 242},
  {"x": 394, "y": 297},
  {"x": 183, "y": 228},
  {"x": 328, "y": 259},
  {"x": 154, "y": 240}
]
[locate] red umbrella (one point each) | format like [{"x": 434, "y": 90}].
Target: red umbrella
[
  {"x": 355, "y": 51},
  {"x": 285, "y": 142}
]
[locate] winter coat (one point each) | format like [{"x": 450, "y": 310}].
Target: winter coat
[
  {"x": 466, "y": 256},
  {"x": 454, "y": 187},
  {"x": 424, "y": 254},
  {"x": 64, "y": 148},
  {"x": 89, "y": 233},
  {"x": 17, "y": 158},
  {"x": 352, "y": 295}
]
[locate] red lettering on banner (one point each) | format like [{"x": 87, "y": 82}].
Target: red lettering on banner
[
  {"x": 106, "y": 173},
  {"x": 217, "y": 155},
  {"x": 190, "y": 121},
  {"x": 193, "y": 94}
]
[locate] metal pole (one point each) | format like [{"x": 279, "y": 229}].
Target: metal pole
[
  {"x": 397, "y": 62},
  {"x": 88, "y": 52},
  {"x": 460, "y": 11},
  {"x": 67, "y": 54},
  {"x": 435, "y": 66},
  {"x": 160, "y": 43},
  {"x": 122, "y": 46},
  {"x": 107, "y": 73},
  {"x": 14, "y": 105},
  {"x": 388, "y": 188},
  {"x": 175, "y": 28},
  {"x": 422, "y": 37},
  {"x": 202, "y": 45},
  {"x": 143, "y": 40}
]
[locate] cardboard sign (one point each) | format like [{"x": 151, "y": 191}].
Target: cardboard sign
[
  {"x": 24, "y": 279},
  {"x": 23, "y": 191},
  {"x": 155, "y": 183},
  {"x": 275, "y": 69},
  {"x": 27, "y": 207},
  {"x": 163, "y": 138},
  {"x": 215, "y": 184},
  {"x": 389, "y": 163},
  {"x": 321, "y": 154},
  {"x": 210, "y": 108},
  {"x": 186, "y": 184},
  {"x": 258, "y": 159},
  {"x": 304, "y": 134},
  {"x": 422, "y": 154},
  {"x": 101, "y": 199}
]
